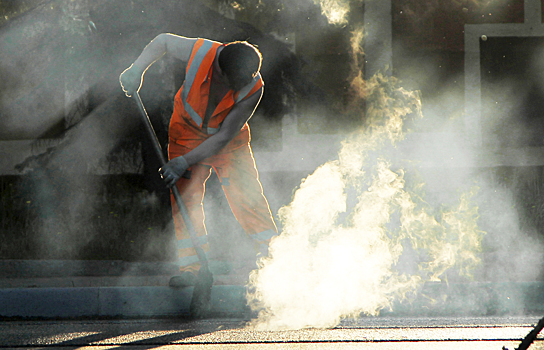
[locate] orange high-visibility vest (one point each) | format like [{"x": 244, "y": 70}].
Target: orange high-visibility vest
[{"x": 191, "y": 101}]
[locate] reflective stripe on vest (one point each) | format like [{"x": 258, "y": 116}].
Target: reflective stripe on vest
[
  {"x": 212, "y": 131},
  {"x": 190, "y": 78},
  {"x": 241, "y": 95},
  {"x": 246, "y": 89}
]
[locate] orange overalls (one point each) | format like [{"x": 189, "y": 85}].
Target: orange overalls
[{"x": 234, "y": 164}]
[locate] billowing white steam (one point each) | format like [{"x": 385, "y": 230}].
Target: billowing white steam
[
  {"x": 351, "y": 220},
  {"x": 334, "y": 260}
]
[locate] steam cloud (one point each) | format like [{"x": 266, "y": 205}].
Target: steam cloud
[
  {"x": 360, "y": 233},
  {"x": 347, "y": 225}
]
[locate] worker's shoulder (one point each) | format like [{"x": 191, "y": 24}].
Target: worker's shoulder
[
  {"x": 179, "y": 46},
  {"x": 207, "y": 43},
  {"x": 210, "y": 41}
]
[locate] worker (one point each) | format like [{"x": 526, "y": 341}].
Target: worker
[{"x": 209, "y": 130}]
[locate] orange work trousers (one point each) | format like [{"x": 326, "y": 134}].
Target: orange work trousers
[{"x": 239, "y": 180}]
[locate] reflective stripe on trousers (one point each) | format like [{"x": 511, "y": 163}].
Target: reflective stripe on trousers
[{"x": 239, "y": 177}]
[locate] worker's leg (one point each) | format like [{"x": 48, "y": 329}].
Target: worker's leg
[
  {"x": 192, "y": 194},
  {"x": 244, "y": 192}
]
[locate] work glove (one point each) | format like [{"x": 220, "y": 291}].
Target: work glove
[
  {"x": 173, "y": 170},
  {"x": 131, "y": 80}
]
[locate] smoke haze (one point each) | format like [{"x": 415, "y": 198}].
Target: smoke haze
[
  {"x": 363, "y": 230},
  {"x": 369, "y": 228}
]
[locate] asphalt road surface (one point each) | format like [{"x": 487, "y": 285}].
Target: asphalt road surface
[{"x": 364, "y": 333}]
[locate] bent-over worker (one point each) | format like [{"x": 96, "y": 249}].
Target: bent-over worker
[{"x": 209, "y": 130}]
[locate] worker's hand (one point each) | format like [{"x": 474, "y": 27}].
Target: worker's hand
[
  {"x": 173, "y": 170},
  {"x": 131, "y": 80}
]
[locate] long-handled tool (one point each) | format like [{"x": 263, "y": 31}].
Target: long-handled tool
[
  {"x": 200, "y": 302},
  {"x": 531, "y": 337}
]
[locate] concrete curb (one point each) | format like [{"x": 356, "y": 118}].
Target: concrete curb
[
  {"x": 468, "y": 299},
  {"x": 51, "y": 289},
  {"x": 106, "y": 302},
  {"x": 86, "y": 268}
]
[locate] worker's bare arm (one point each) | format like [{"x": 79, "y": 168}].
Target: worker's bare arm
[
  {"x": 231, "y": 126},
  {"x": 178, "y": 46}
]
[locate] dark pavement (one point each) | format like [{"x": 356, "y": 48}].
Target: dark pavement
[{"x": 364, "y": 333}]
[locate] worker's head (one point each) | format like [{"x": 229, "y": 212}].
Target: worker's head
[{"x": 240, "y": 62}]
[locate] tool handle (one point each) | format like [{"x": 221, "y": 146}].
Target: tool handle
[
  {"x": 531, "y": 337},
  {"x": 175, "y": 191}
]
